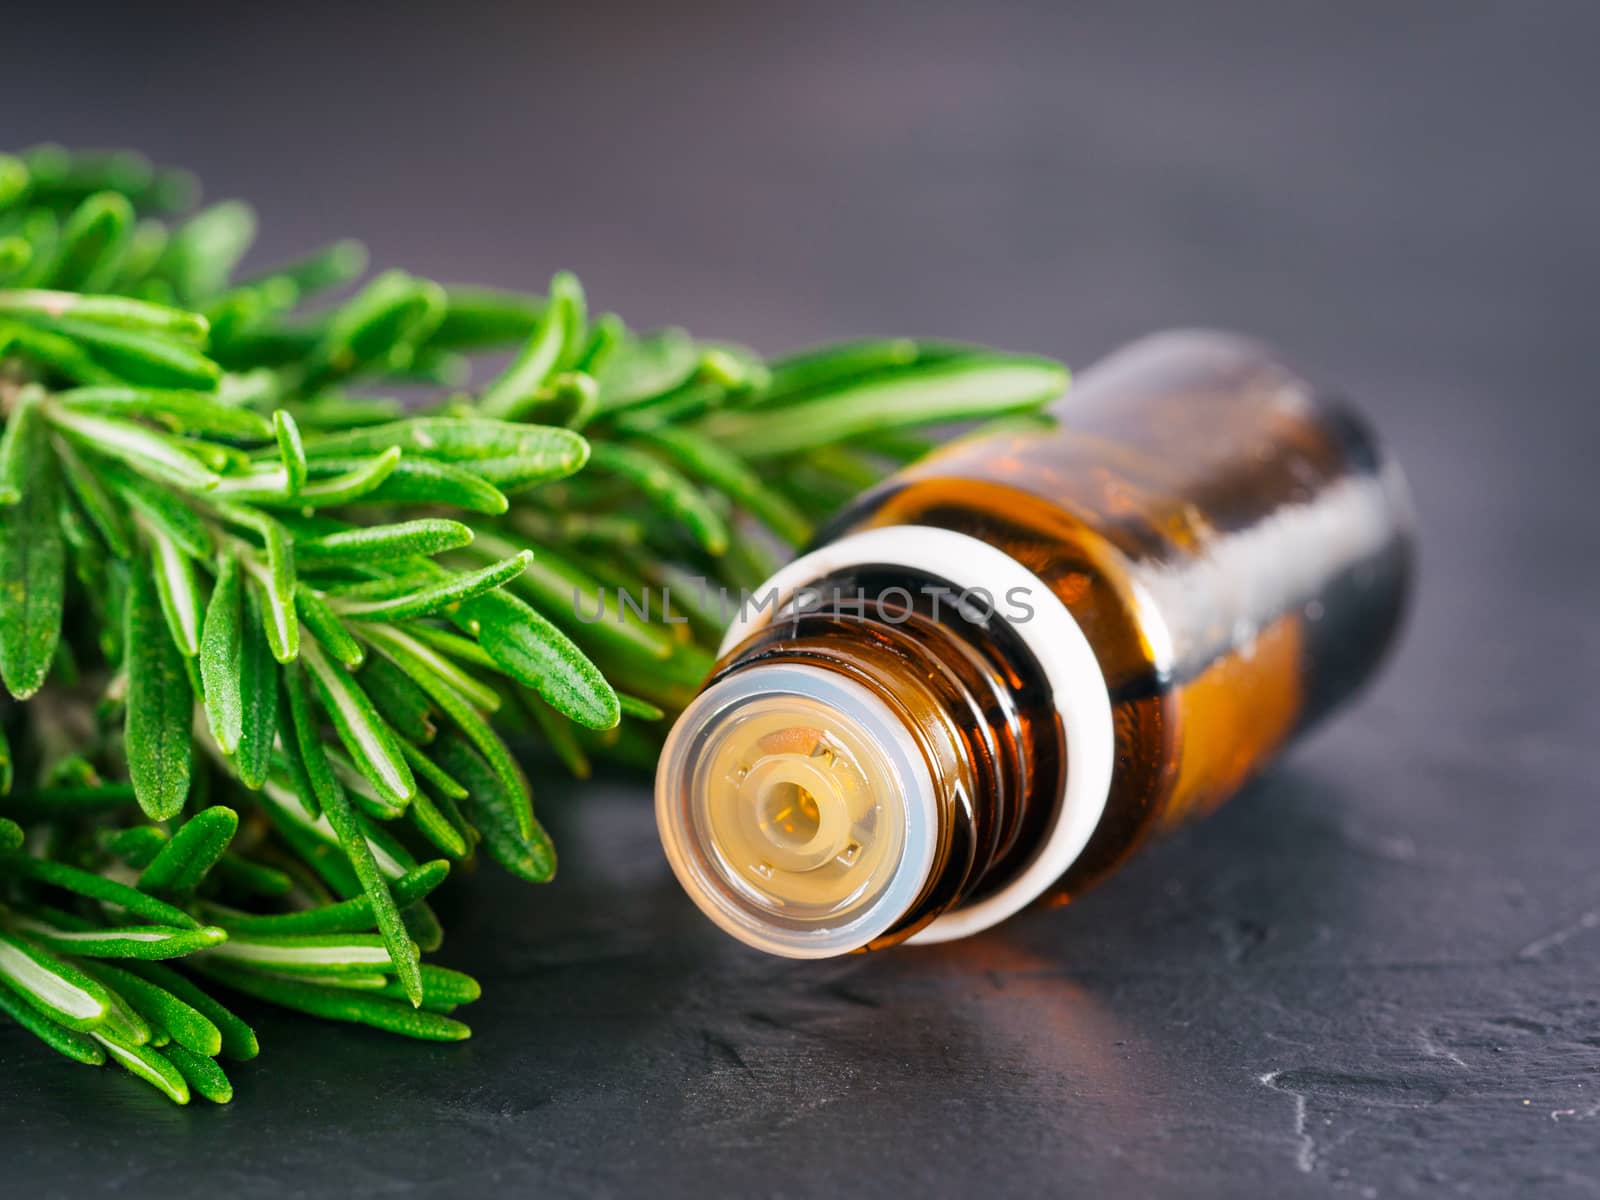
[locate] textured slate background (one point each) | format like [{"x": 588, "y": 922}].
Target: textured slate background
[{"x": 1374, "y": 974}]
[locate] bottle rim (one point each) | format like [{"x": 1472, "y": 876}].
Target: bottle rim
[{"x": 731, "y": 900}]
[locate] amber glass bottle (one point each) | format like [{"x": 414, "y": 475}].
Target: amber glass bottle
[{"x": 1003, "y": 669}]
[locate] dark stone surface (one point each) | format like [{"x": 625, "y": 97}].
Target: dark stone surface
[{"x": 1375, "y": 974}]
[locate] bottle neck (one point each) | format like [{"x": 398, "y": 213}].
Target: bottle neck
[{"x": 860, "y": 766}]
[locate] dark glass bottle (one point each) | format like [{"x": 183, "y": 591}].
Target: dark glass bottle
[{"x": 1008, "y": 665}]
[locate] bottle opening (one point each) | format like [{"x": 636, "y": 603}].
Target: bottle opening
[{"x": 797, "y": 810}]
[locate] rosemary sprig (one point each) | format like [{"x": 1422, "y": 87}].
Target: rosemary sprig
[{"x": 273, "y": 627}]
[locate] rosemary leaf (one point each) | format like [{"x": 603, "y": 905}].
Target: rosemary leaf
[
  {"x": 180, "y": 866},
  {"x": 188, "y": 1026},
  {"x": 291, "y": 450},
  {"x": 450, "y": 592},
  {"x": 382, "y": 543},
  {"x": 159, "y": 705},
  {"x": 69, "y": 1042},
  {"x": 341, "y": 1004},
  {"x": 19, "y": 444},
  {"x": 142, "y": 449},
  {"x": 523, "y": 850},
  {"x": 557, "y": 337},
  {"x": 148, "y": 942},
  {"x": 365, "y": 734},
  {"x": 666, "y": 487},
  {"x": 204, "y": 1077},
  {"x": 238, "y": 1039},
  {"x": 347, "y": 916},
  {"x": 955, "y": 390},
  {"x": 92, "y": 242},
  {"x": 98, "y": 887},
  {"x": 326, "y": 626},
  {"x": 148, "y": 1065},
  {"x": 115, "y": 311},
  {"x": 181, "y": 411},
  {"x": 32, "y": 573},
  {"x": 258, "y": 696},
  {"x": 511, "y": 790},
  {"x": 337, "y": 813},
  {"x": 178, "y": 592},
  {"x": 221, "y": 657},
  {"x": 536, "y": 654},
  {"x": 58, "y": 990}
]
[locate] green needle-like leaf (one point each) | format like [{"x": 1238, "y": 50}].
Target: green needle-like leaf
[
  {"x": 274, "y": 581},
  {"x": 89, "y": 489},
  {"x": 258, "y": 696},
  {"x": 15, "y": 254},
  {"x": 556, "y": 338},
  {"x": 526, "y": 853},
  {"x": 138, "y": 358},
  {"x": 666, "y": 487},
  {"x": 513, "y": 790},
  {"x": 633, "y": 706},
  {"x": 714, "y": 466},
  {"x": 32, "y": 574},
  {"x": 178, "y": 592},
  {"x": 150, "y": 942},
  {"x": 330, "y": 267},
  {"x": 205, "y": 249},
  {"x": 160, "y": 704},
  {"x": 157, "y": 505},
  {"x": 180, "y": 411},
  {"x": 149, "y": 1065},
  {"x": 238, "y": 1039},
  {"x": 19, "y": 443},
  {"x": 652, "y": 365},
  {"x": 221, "y": 650},
  {"x": 480, "y": 316},
  {"x": 344, "y": 1004},
  {"x": 394, "y": 310},
  {"x": 204, "y": 1077},
  {"x": 432, "y": 774},
  {"x": 57, "y": 989},
  {"x": 98, "y": 887},
  {"x": 536, "y": 654},
  {"x": 453, "y": 590},
  {"x": 14, "y": 179},
  {"x": 417, "y": 480},
  {"x": 956, "y": 390},
  {"x": 403, "y": 704},
  {"x": 117, "y": 312},
  {"x": 193, "y": 851},
  {"x": 290, "y": 449},
  {"x": 382, "y": 543},
  {"x": 144, "y": 450},
  {"x": 307, "y": 954},
  {"x": 336, "y": 811},
  {"x": 365, "y": 734},
  {"x": 494, "y": 449},
  {"x": 443, "y": 990},
  {"x": 326, "y": 626},
  {"x": 347, "y": 916},
  {"x": 92, "y": 242},
  {"x": 188, "y": 1025},
  {"x": 79, "y": 1047}
]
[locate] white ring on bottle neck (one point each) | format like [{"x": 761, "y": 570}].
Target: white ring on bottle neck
[{"x": 1051, "y": 635}]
